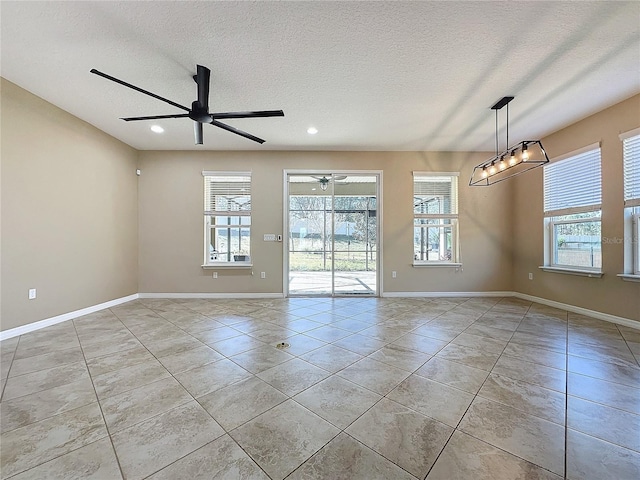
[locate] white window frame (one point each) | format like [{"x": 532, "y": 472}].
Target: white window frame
[
  {"x": 631, "y": 179},
  {"x": 553, "y": 218},
  {"x": 448, "y": 220},
  {"x": 209, "y": 260}
]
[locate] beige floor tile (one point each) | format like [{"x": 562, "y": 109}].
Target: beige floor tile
[
  {"x": 134, "y": 406},
  {"x": 344, "y": 458},
  {"x": 128, "y": 378},
  {"x": 407, "y": 438},
  {"x": 39, "y": 442},
  {"x": 606, "y": 423},
  {"x": 170, "y": 346},
  {"x": 301, "y": 344},
  {"x": 337, "y": 400},
  {"x": 149, "y": 446},
  {"x": 107, "y": 347},
  {"x": 234, "y": 345},
  {"x": 293, "y": 376},
  {"x": 331, "y": 358},
  {"x": 272, "y": 333},
  {"x": 400, "y": 357},
  {"x": 44, "y": 380},
  {"x": 441, "y": 402},
  {"x": 96, "y": 461},
  {"x": 556, "y": 343},
  {"x": 217, "y": 334},
  {"x": 470, "y": 356},
  {"x": 485, "y": 344},
  {"x": 42, "y": 344},
  {"x": 589, "y": 458},
  {"x": 328, "y": 333},
  {"x": 222, "y": 459},
  {"x": 538, "y": 355},
  {"x": 352, "y": 325},
  {"x": 360, "y": 344},
  {"x": 487, "y": 331},
  {"x": 261, "y": 358},
  {"x": 376, "y": 376},
  {"x": 384, "y": 334},
  {"x": 527, "y": 397},
  {"x": 547, "y": 377},
  {"x": 607, "y": 393},
  {"x": 611, "y": 372},
  {"x": 453, "y": 374},
  {"x": 467, "y": 458},
  {"x": 46, "y": 361},
  {"x": 212, "y": 376},
  {"x": 6, "y": 359},
  {"x": 618, "y": 353},
  {"x": 34, "y": 407},
  {"x": 284, "y": 437},
  {"x": 189, "y": 359},
  {"x": 240, "y": 402},
  {"x": 115, "y": 361},
  {"x": 536, "y": 440},
  {"x": 420, "y": 343}
]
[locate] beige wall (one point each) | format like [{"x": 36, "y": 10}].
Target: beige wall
[
  {"x": 608, "y": 294},
  {"x": 69, "y": 212},
  {"x": 171, "y": 222}
]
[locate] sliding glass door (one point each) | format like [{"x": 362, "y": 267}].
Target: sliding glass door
[{"x": 333, "y": 231}]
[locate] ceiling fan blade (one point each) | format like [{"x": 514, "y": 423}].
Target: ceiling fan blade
[
  {"x": 231, "y": 129},
  {"x": 197, "y": 131},
  {"x": 137, "y": 89},
  {"x": 202, "y": 79},
  {"x": 260, "y": 113},
  {"x": 155, "y": 117}
]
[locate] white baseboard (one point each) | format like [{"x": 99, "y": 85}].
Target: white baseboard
[
  {"x": 583, "y": 311},
  {"x": 446, "y": 294},
  {"x": 47, "y": 322},
  {"x": 14, "y": 332},
  {"x": 211, "y": 295}
]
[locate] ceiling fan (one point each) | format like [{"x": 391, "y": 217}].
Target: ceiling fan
[
  {"x": 199, "y": 111},
  {"x": 324, "y": 181}
]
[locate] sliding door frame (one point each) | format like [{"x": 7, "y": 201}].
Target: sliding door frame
[{"x": 285, "y": 223}]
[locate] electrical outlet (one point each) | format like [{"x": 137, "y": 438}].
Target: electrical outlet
[
  {"x": 530, "y": 276},
  {"x": 32, "y": 293},
  {"x": 215, "y": 274},
  {"x": 263, "y": 274},
  {"x": 393, "y": 274}
]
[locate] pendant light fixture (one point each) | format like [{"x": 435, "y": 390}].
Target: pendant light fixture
[{"x": 517, "y": 159}]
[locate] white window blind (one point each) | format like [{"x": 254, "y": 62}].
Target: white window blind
[
  {"x": 227, "y": 194},
  {"x": 435, "y": 194},
  {"x": 573, "y": 185},
  {"x": 631, "y": 155}
]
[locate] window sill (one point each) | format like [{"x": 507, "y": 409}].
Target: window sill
[
  {"x": 629, "y": 277},
  {"x": 438, "y": 264},
  {"x": 228, "y": 265},
  {"x": 573, "y": 271}
]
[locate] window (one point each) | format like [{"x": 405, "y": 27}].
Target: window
[
  {"x": 435, "y": 218},
  {"x": 572, "y": 210},
  {"x": 631, "y": 161},
  {"x": 227, "y": 217}
]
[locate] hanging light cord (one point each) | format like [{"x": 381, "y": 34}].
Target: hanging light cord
[
  {"x": 496, "y": 133},
  {"x": 507, "y": 145}
]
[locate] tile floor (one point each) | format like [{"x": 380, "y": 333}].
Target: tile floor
[{"x": 480, "y": 388}]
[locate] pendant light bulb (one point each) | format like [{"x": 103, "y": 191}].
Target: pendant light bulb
[
  {"x": 525, "y": 153},
  {"x": 513, "y": 160},
  {"x": 502, "y": 165},
  {"x": 484, "y": 172},
  {"x": 492, "y": 168}
]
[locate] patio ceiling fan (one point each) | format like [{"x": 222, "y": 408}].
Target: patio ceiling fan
[
  {"x": 324, "y": 181},
  {"x": 199, "y": 111}
]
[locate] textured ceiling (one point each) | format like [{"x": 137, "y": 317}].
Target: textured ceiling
[{"x": 368, "y": 75}]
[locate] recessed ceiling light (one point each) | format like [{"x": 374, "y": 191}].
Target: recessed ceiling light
[
  {"x": 157, "y": 129},
  {"x": 312, "y": 130}
]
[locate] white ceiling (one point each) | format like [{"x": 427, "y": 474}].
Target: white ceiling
[{"x": 369, "y": 75}]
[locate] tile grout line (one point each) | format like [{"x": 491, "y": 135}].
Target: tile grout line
[
  {"x": 475, "y": 395},
  {"x": 104, "y": 420}
]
